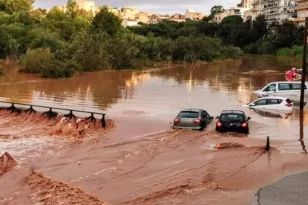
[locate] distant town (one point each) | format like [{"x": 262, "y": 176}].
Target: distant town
[{"x": 273, "y": 10}]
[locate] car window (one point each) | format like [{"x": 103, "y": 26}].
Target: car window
[
  {"x": 261, "y": 102},
  {"x": 297, "y": 86},
  {"x": 188, "y": 114},
  {"x": 274, "y": 101},
  {"x": 206, "y": 114},
  {"x": 284, "y": 86},
  {"x": 271, "y": 87},
  {"x": 231, "y": 117}
]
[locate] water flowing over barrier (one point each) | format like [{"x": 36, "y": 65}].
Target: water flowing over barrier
[{"x": 51, "y": 113}]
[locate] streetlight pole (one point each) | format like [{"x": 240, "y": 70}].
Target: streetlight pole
[{"x": 304, "y": 63}]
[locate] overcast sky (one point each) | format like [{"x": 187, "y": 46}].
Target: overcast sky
[{"x": 158, "y": 6}]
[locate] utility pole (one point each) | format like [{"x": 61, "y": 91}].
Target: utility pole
[{"x": 303, "y": 81}]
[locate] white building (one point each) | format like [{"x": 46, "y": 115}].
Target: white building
[
  {"x": 130, "y": 22},
  {"x": 279, "y": 10}
]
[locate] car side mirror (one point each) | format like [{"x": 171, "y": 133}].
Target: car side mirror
[
  {"x": 248, "y": 118},
  {"x": 252, "y": 104},
  {"x": 217, "y": 117}
]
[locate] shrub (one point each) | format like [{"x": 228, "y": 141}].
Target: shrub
[
  {"x": 57, "y": 69},
  {"x": 232, "y": 52},
  {"x": 34, "y": 61},
  {"x": 285, "y": 52}
]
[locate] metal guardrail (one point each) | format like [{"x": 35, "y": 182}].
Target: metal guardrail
[{"x": 51, "y": 114}]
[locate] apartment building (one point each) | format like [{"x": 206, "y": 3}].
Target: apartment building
[
  {"x": 193, "y": 15},
  {"x": 302, "y": 12},
  {"x": 238, "y": 11},
  {"x": 178, "y": 17},
  {"x": 129, "y": 12},
  {"x": 279, "y": 10},
  {"x": 257, "y": 8},
  {"x": 86, "y": 5},
  {"x": 143, "y": 17}
]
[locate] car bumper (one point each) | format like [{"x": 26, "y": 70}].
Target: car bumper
[
  {"x": 238, "y": 129},
  {"x": 187, "y": 128}
]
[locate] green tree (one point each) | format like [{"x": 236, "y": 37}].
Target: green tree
[
  {"x": 216, "y": 10},
  {"x": 122, "y": 51},
  {"x": 106, "y": 21},
  {"x": 71, "y": 8},
  {"x": 11, "y": 6},
  {"x": 259, "y": 27},
  {"x": 89, "y": 50}
]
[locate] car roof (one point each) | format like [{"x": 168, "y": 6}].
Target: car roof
[
  {"x": 192, "y": 110},
  {"x": 297, "y": 82},
  {"x": 233, "y": 111},
  {"x": 273, "y": 97}
]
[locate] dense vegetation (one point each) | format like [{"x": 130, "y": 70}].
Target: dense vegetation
[
  {"x": 56, "y": 44},
  {"x": 253, "y": 37}
]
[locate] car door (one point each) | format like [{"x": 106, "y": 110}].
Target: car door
[
  {"x": 272, "y": 88},
  {"x": 273, "y": 103},
  {"x": 259, "y": 104},
  {"x": 284, "y": 88},
  {"x": 208, "y": 117}
]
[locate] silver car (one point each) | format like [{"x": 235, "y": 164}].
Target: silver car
[{"x": 196, "y": 119}]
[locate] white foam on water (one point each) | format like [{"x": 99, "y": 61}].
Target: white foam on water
[{"x": 32, "y": 147}]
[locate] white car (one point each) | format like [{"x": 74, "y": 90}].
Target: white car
[
  {"x": 272, "y": 103},
  {"x": 282, "y": 88}
]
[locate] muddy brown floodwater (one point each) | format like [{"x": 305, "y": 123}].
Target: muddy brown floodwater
[{"x": 138, "y": 158}]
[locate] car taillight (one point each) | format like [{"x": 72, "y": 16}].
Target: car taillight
[
  {"x": 176, "y": 121},
  {"x": 197, "y": 122},
  {"x": 244, "y": 124},
  {"x": 219, "y": 124},
  {"x": 289, "y": 105}
]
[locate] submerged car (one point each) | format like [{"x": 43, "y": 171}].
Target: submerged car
[
  {"x": 195, "y": 119},
  {"x": 233, "y": 121},
  {"x": 282, "y": 88},
  {"x": 272, "y": 103}
]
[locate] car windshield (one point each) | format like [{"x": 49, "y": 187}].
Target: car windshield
[
  {"x": 231, "y": 118},
  {"x": 188, "y": 114}
]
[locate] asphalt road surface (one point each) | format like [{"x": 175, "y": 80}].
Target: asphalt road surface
[{"x": 290, "y": 190}]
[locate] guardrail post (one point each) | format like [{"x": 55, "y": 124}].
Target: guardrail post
[
  {"x": 70, "y": 115},
  {"x": 14, "y": 109},
  {"x": 91, "y": 118},
  {"x": 30, "y": 110},
  {"x": 50, "y": 114},
  {"x": 103, "y": 121}
]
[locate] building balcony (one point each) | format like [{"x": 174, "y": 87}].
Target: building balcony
[
  {"x": 300, "y": 7},
  {"x": 299, "y": 19}
]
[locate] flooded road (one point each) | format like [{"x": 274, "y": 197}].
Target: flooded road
[
  {"x": 141, "y": 160},
  {"x": 161, "y": 94}
]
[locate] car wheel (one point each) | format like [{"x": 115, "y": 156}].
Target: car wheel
[{"x": 246, "y": 131}]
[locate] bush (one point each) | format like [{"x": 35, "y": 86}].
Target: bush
[
  {"x": 232, "y": 52},
  {"x": 285, "y": 52},
  {"x": 36, "y": 60},
  {"x": 57, "y": 69},
  {"x": 193, "y": 49}
]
